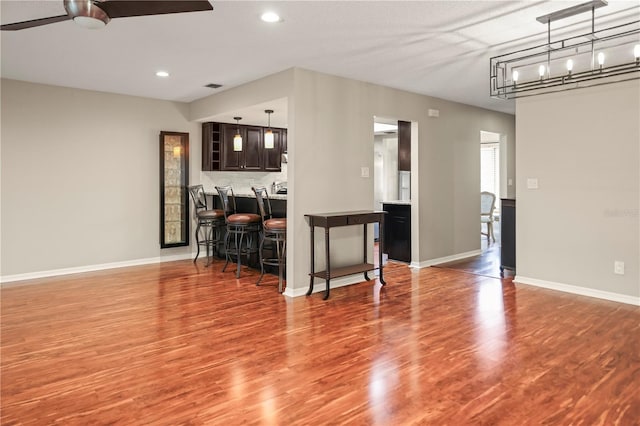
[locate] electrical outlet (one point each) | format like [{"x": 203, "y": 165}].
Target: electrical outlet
[
  {"x": 618, "y": 267},
  {"x": 532, "y": 183}
]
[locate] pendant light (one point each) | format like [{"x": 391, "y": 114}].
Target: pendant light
[
  {"x": 237, "y": 139},
  {"x": 268, "y": 134}
]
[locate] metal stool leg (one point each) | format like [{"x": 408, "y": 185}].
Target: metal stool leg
[
  {"x": 282, "y": 257},
  {"x": 239, "y": 253},
  {"x": 197, "y": 242},
  {"x": 227, "y": 249},
  {"x": 261, "y": 256}
]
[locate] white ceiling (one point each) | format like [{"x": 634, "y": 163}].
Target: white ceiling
[{"x": 438, "y": 48}]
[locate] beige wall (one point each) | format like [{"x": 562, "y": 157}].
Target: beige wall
[
  {"x": 80, "y": 174},
  {"x": 583, "y": 146}
]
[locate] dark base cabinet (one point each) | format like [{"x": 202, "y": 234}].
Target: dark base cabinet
[
  {"x": 397, "y": 231},
  {"x": 508, "y": 235}
]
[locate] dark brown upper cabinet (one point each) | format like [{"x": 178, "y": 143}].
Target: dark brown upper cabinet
[
  {"x": 218, "y": 153},
  {"x": 404, "y": 146},
  {"x": 211, "y": 146},
  {"x": 250, "y": 158}
]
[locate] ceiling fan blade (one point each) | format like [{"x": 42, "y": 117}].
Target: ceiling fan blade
[
  {"x": 125, "y": 8},
  {"x": 34, "y": 23}
]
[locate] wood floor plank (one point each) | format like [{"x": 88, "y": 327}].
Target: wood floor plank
[{"x": 179, "y": 343}]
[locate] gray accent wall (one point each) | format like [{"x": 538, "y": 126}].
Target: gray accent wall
[{"x": 583, "y": 146}]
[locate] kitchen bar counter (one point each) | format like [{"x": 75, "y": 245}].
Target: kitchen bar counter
[
  {"x": 250, "y": 195},
  {"x": 246, "y": 203},
  {"x": 398, "y": 202},
  {"x": 271, "y": 196}
]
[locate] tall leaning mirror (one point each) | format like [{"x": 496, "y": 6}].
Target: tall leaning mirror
[{"x": 174, "y": 180}]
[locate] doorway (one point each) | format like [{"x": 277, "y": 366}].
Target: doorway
[
  {"x": 490, "y": 180},
  {"x": 392, "y": 185}
]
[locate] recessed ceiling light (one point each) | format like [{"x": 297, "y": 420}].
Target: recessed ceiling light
[
  {"x": 270, "y": 17},
  {"x": 162, "y": 74}
]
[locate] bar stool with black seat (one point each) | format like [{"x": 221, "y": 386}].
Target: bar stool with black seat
[
  {"x": 274, "y": 232},
  {"x": 242, "y": 230},
  {"x": 210, "y": 223}
]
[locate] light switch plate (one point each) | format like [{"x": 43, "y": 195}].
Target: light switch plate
[
  {"x": 618, "y": 267},
  {"x": 364, "y": 172},
  {"x": 532, "y": 183}
]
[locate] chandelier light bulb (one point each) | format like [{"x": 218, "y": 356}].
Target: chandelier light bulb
[
  {"x": 601, "y": 59},
  {"x": 636, "y": 52},
  {"x": 515, "y": 75},
  {"x": 541, "y": 70},
  {"x": 570, "y": 65}
]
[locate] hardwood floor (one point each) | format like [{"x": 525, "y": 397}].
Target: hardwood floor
[
  {"x": 487, "y": 263},
  {"x": 179, "y": 343}
]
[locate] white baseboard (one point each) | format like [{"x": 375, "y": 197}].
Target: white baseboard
[
  {"x": 439, "y": 260},
  {"x": 319, "y": 285},
  {"x": 91, "y": 268},
  {"x": 582, "y": 291}
]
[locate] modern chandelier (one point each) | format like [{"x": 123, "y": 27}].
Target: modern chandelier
[{"x": 599, "y": 57}]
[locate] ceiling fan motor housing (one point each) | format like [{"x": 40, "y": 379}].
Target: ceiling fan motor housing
[{"x": 86, "y": 13}]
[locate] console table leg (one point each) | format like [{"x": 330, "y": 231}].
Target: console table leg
[
  {"x": 381, "y": 248},
  {"x": 328, "y": 277},
  {"x": 364, "y": 250},
  {"x": 311, "y": 226}
]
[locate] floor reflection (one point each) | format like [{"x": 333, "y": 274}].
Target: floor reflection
[
  {"x": 383, "y": 379},
  {"x": 489, "y": 317}
]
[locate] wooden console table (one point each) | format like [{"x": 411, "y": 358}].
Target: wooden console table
[{"x": 330, "y": 220}]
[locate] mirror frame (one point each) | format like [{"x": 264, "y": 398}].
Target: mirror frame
[{"x": 174, "y": 197}]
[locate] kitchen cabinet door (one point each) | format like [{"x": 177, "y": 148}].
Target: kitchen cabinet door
[
  {"x": 284, "y": 141},
  {"x": 404, "y": 146},
  {"x": 397, "y": 231},
  {"x": 252, "y": 148},
  {"x": 273, "y": 157},
  {"x": 231, "y": 160},
  {"x": 508, "y": 235}
]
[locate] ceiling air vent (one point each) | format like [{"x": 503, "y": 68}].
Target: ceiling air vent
[{"x": 213, "y": 86}]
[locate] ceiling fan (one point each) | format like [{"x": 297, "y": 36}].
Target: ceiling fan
[{"x": 97, "y": 13}]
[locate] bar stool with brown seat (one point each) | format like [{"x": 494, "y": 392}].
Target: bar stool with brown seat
[
  {"x": 242, "y": 229},
  {"x": 211, "y": 221},
  {"x": 274, "y": 231}
]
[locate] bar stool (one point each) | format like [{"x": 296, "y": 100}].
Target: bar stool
[
  {"x": 240, "y": 226},
  {"x": 274, "y": 231},
  {"x": 209, "y": 221}
]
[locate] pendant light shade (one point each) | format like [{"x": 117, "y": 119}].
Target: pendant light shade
[
  {"x": 237, "y": 139},
  {"x": 268, "y": 134}
]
